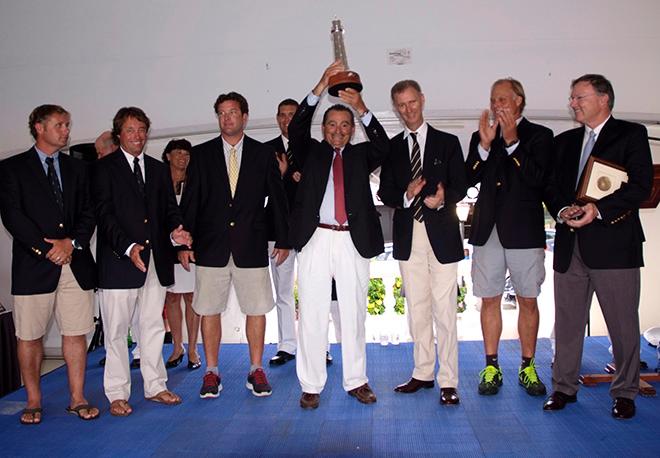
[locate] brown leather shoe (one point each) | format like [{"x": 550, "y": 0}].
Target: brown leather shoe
[
  {"x": 309, "y": 400},
  {"x": 363, "y": 394},
  {"x": 449, "y": 396},
  {"x": 413, "y": 385}
]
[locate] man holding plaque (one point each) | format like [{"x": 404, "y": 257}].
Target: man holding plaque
[
  {"x": 509, "y": 157},
  {"x": 422, "y": 180},
  {"x": 598, "y": 246},
  {"x": 336, "y": 230}
]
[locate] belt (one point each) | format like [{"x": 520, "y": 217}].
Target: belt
[{"x": 333, "y": 227}]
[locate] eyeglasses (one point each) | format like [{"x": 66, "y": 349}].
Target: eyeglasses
[{"x": 578, "y": 98}]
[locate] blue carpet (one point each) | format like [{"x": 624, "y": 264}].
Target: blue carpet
[{"x": 239, "y": 424}]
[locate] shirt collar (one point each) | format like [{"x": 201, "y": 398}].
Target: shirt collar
[
  {"x": 238, "y": 146},
  {"x": 43, "y": 156},
  {"x": 597, "y": 129},
  {"x": 130, "y": 157},
  {"x": 421, "y": 132}
]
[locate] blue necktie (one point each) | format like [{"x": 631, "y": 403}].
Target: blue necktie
[
  {"x": 54, "y": 183},
  {"x": 586, "y": 152}
]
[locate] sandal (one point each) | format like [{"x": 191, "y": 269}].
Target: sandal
[
  {"x": 33, "y": 411},
  {"x": 120, "y": 408},
  {"x": 166, "y": 397},
  {"x": 77, "y": 411}
]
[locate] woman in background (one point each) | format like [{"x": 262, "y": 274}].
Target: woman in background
[{"x": 177, "y": 155}]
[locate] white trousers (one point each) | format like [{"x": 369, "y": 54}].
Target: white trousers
[
  {"x": 431, "y": 299},
  {"x": 283, "y": 277},
  {"x": 118, "y": 307},
  {"x": 331, "y": 254}
]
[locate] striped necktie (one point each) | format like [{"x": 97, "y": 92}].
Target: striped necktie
[
  {"x": 289, "y": 155},
  {"x": 416, "y": 168}
]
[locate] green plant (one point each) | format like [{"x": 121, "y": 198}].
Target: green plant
[
  {"x": 376, "y": 297},
  {"x": 399, "y": 300},
  {"x": 460, "y": 297},
  {"x": 295, "y": 293}
]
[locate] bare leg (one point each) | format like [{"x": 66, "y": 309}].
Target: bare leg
[
  {"x": 30, "y": 355},
  {"x": 255, "y": 329},
  {"x": 491, "y": 323},
  {"x": 528, "y": 325},
  {"x": 74, "y": 349},
  {"x": 211, "y": 335},
  {"x": 174, "y": 317},
  {"x": 192, "y": 325}
]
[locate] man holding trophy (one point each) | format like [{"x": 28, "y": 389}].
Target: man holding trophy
[{"x": 336, "y": 231}]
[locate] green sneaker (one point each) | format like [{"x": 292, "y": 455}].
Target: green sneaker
[
  {"x": 490, "y": 380},
  {"x": 529, "y": 379}
]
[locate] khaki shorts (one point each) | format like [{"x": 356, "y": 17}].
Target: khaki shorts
[
  {"x": 252, "y": 286},
  {"x": 73, "y": 309}
]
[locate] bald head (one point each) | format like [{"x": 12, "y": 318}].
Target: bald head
[{"x": 105, "y": 144}]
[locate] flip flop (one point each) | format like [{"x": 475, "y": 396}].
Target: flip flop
[
  {"x": 33, "y": 412},
  {"x": 76, "y": 411},
  {"x": 120, "y": 408},
  {"x": 162, "y": 399}
]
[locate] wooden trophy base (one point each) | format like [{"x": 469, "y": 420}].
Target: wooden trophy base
[
  {"x": 344, "y": 80},
  {"x": 645, "y": 388}
]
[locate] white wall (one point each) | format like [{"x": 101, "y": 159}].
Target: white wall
[{"x": 173, "y": 58}]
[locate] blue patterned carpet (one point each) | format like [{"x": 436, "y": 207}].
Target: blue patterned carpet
[{"x": 239, "y": 424}]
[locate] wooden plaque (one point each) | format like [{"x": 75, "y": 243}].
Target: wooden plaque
[{"x": 600, "y": 179}]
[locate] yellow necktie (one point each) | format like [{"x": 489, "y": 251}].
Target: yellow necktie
[{"x": 233, "y": 170}]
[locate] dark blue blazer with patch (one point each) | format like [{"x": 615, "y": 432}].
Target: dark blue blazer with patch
[
  {"x": 30, "y": 214},
  {"x": 125, "y": 216}
]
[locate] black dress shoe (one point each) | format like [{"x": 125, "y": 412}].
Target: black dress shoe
[
  {"x": 174, "y": 362},
  {"x": 623, "y": 408},
  {"x": 449, "y": 396},
  {"x": 328, "y": 358},
  {"x": 281, "y": 357},
  {"x": 135, "y": 364},
  {"x": 309, "y": 400},
  {"x": 558, "y": 400},
  {"x": 413, "y": 385}
]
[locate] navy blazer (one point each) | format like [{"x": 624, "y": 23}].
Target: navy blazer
[
  {"x": 615, "y": 241},
  {"x": 126, "y": 217},
  {"x": 30, "y": 214},
  {"x": 290, "y": 186},
  {"x": 359, "y": 161},
  {"x": 511, "y": 192},
  {"x": 221, "y": 225},
  {"x": 443, "y": 162}
]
